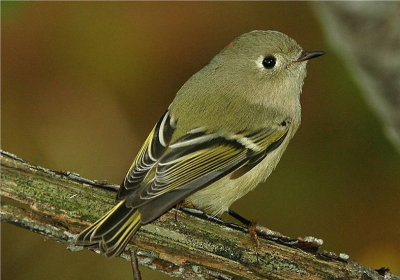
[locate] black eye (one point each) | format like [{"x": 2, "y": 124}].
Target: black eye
[{"x": 269, "y": 62}]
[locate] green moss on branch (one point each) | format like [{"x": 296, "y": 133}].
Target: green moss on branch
[{"x": 59, "y": 205}]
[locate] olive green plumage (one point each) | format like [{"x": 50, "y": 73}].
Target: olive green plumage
[{"x": 223, "y": 134}]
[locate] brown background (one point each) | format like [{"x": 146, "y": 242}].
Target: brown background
[{"x": 83, "y": 83}]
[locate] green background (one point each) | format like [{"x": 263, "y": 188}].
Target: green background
[{"x": 83, "y": 83}]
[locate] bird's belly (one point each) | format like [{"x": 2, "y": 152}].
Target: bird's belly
[{"x": 218, "y": 197}]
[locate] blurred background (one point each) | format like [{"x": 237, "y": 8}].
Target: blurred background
[{"x": 84, "y": 82}]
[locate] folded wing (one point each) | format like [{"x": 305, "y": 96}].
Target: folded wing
[
  {"x": 151, "y": 151},
  {"x": 195, "y": 161}
]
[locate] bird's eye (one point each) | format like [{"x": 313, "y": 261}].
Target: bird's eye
[{"x": 269, "y": 62}]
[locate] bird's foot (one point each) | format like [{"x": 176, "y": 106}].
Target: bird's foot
[
  {"x": 251, "y": 227},
  {"x": 254, "y": 237},
  {"x": 182, "y": 204}
]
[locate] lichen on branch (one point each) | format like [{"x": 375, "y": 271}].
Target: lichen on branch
[{"x": 186, "y": 244}]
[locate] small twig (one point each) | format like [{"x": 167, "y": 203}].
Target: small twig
[{"x": 135, "y": 265}]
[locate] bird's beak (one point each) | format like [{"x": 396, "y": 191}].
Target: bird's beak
[{"x": 309, "y": 55}]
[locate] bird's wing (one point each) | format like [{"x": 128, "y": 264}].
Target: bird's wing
[
  {"x": 151, "y": 151},
  {"x": 198, "y": 159}
]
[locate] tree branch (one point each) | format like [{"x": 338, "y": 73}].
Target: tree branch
[{"x": 60, "y": 204}]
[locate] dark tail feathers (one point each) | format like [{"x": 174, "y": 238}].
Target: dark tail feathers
[{"x": 112, "y": 232}]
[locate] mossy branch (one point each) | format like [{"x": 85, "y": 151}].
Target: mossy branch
[{"x": 60, "y": 204}]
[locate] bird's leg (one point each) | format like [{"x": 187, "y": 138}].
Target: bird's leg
[
  {"x": 240, "y": 218},
  {"x": 251, "y": 226},
  {"x": 182, "y": 204},
  {"x": 177, "y": 207},
  {"x": 135, "y": 265}
]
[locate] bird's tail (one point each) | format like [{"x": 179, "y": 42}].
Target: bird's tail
[{"x": 112, "y": 232}]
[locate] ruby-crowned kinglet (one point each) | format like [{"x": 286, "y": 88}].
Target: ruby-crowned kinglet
[{"x": 223, "y": 134}]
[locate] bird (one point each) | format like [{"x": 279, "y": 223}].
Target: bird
[{"x": 223, "y": 134}]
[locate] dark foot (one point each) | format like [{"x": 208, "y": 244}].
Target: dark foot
[{"x": 177, "y": 207}]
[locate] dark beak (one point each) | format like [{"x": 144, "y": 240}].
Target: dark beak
[{"x": 309, "y": 55}]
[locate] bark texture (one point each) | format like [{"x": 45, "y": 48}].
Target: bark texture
[{"x": 195, "y": 246}]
